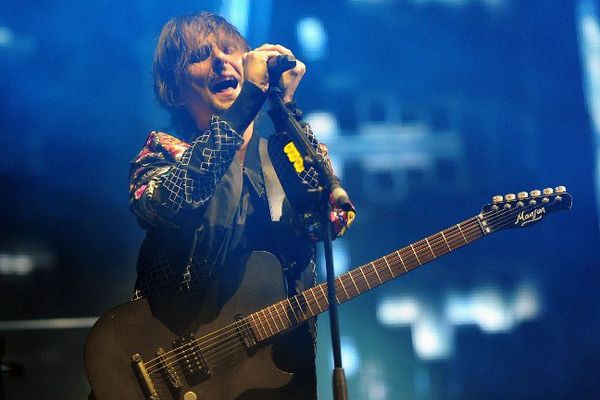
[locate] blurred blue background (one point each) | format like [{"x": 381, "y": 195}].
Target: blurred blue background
[{"x": 429, "y": 108}]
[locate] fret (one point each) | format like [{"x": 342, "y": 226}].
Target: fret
[
  {"x": 279, "y": 316},
  {"x": 262, "y": 325},
  {"x": 308, "y": 302},
  {"x": 325, "y": 294},
  {"x": 300, "y": 308},
  {"x": 388, "y": 265},
  {"x": 271, "y": 311},
  {"x": 352, "y": 279},
  {"x": 446, "y": 241},
  {"x": 259, "y": 334},
  {"x": 293, "y": 312},
  {"x": 441, "y": 245},
  {"x": 430, "y": 249},
  {"x": 413, "y": 249},
  {"x": 377, "y": 273},
  {"x": 461, "y": 232},
  {"x": 287, "y": 313},
  {"x": 306, "y": 306},
  {"x": 343, "y": 287},
  {"x": 401, "y": 260},
  {"x": 273, "y": 319},
  {"x": 276, "y": 311},
  {"x": 316, "y": 299},
  {"x": 268, "y": 324},
  {"x": 366, "y": 280}
]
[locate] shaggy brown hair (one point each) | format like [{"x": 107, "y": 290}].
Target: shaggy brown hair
[{"x": 179, "y": 39}]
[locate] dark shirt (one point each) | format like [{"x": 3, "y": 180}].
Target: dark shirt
[{"x": 252, "y": 230}]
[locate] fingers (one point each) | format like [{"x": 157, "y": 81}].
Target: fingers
[
  {"x": 264, "y": 54},
  {"x": 256, "y": 71},
  {"x": 275, "y": 47},
  {"x": 298, "y": 70},
  {"x": 255, "y": 67}
]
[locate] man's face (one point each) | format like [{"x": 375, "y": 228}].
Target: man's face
[{"x": 212, "y": 80}]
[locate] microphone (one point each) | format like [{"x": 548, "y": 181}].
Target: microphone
[{"x": 278, "y": 65}]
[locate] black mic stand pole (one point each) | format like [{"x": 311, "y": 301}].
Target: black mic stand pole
[{"x": 329, "y": 185}]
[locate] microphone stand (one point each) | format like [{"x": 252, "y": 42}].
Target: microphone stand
[{"x": 329, "y": 185}]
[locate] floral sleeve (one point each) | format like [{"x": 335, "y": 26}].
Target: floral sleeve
[{"x": 169, "y": 175}]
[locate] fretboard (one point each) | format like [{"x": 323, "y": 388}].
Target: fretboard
[{"x": 292, "y": 311}]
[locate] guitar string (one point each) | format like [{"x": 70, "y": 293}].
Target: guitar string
[
  {"x": 164, "y": 384},
  {"x": 200, "y": 339},
  {"x": 467, "y": 230},
  {"x": 423, "y": 245},
  {"x": 494, "y": 223},
  {"x": 224, "y": 354},
  {"x": 453, "y": 239},
  {"x": 433, "y": 253},
  {"x": 236, "y": 347},
  {"x": 474, "y": 224},
  {"x": 229, "y": 356}
]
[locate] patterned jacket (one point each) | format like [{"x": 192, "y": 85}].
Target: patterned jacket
[{"x": 187, "y": 195}]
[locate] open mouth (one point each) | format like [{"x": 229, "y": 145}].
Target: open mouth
[{"x": 224, "y": 85}]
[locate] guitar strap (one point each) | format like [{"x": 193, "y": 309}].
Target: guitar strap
[
  {"x": 281, "y": 213},
  {"x": 277, "y": 200}
]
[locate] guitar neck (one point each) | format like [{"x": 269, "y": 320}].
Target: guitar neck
[{"x": 288, "y": 313}]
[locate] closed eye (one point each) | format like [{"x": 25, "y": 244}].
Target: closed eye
[
  {"x": 200, "y": 54},
  {"x": 228, "y": 49},
  {"x": 229, "y": 46}
]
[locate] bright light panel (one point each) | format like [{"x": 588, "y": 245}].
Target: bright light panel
[{"x": 312, "y": 38}]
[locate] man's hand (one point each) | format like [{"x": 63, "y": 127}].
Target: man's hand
[{"x": 255, "y": 69}]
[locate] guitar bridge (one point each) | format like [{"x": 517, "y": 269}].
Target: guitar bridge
[
  {"x": 140, "y": 368},
  {"x": 191, "y": 360}
]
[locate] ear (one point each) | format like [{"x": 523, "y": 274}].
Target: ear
[
  {"x": 179, "y": 99},
  {"x": 177, "y": 92}
]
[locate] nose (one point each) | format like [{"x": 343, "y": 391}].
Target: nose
[{"x": 219, "y": 59}]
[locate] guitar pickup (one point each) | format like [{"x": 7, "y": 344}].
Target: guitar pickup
[
  {"x": 190, "y": 358},
  {"x": 168, "y": 369},
  {"x": 242, "y": 328}
]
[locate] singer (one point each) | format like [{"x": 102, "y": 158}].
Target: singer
[{"x": 212, "y": 190}]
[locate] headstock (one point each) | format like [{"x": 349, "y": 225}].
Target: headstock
[{"x": 523, "y": 209}]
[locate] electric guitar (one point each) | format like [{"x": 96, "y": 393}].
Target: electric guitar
[{"x": 218, "y": 346}]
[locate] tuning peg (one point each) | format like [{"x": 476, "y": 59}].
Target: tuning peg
[
  {"x": 509, "y": 197},
  {"x": 560, "y": 189},
  {"x": 497, "y": 199},
  {"x": 535, "y": 193},
  {"x": 548, "y": 191},
  {"x": 522, "y": 195}
]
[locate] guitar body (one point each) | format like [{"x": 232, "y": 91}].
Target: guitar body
[{"x": 143, "y": 326}]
